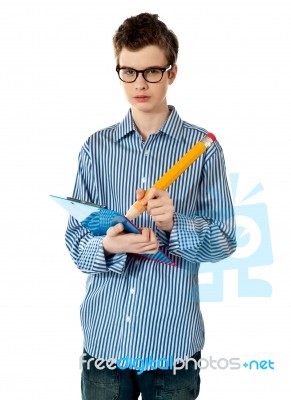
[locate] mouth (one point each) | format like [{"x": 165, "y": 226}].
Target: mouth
[{"x": 141, "y": 98}]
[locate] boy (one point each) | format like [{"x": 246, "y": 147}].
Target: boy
[{"x": 133, "y": 308}]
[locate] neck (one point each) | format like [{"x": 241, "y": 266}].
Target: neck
[{"x": 148, "y": 123}]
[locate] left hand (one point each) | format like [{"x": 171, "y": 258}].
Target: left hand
[{"x": 159, "y": 206}]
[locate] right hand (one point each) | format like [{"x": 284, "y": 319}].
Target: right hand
[{"x": 116, "y": 241}]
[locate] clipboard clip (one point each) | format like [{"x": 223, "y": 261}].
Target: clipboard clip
[{"x": 86, "y": 202}]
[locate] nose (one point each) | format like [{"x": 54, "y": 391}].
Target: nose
[{"x": 140, "y": 82}]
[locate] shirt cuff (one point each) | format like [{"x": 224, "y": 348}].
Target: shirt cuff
[
  {"x": 93, "y": 260},
  {"x": 183, "y": 235},
  {"x": 163, "y": 237}
]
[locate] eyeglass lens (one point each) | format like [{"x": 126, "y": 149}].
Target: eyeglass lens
[{"x": 152, "y": 75}]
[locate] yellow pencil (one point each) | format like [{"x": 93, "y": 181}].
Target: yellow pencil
[{"x": 174, "y": 172}]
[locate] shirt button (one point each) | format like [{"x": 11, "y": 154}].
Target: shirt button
[
  {"x": 143, "y": 179},
  {"x": 132, "y": 290},
  {"x": 128, "y": 319},
  {"x": 146, "y": 152}
]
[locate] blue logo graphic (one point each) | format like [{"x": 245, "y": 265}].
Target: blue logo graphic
[
  {"x": 263, "y": 364},
  {"x": 254, "y": 249}
]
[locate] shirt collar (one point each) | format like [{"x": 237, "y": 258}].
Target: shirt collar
[
  {"x": 173, "y": 124},
  {"x": 125, "y": 127},
  {"x": 171, "y": 127}
]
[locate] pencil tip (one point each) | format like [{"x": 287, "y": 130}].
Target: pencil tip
[{"x": 135, "y": 210}]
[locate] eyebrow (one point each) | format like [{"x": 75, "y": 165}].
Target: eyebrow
[{"x": 151, "y": 66}]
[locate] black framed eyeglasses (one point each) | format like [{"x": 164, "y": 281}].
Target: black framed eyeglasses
[{"x": 151, "y": 75}]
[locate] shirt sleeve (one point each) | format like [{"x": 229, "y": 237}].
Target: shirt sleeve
[
  {"x": 86, "y": 249},
  {"x": 208, "y": 233}
]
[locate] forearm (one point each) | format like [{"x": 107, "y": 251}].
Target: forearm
[
  {"x": 199, "y": 239},
  {"x": 88, "y": 253},
  {"x": 204, "y": 228}
]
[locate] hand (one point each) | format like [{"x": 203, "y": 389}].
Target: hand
[
  {"x": 159, "y": 206},
  {"x": 116, "y": 241}
]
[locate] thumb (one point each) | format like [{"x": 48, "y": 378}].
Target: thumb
[
  {"x": 115, "y": 230},
  {"x": 140, "y": 193}
]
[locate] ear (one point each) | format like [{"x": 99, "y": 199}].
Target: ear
[{"x": 173, "y": 74}]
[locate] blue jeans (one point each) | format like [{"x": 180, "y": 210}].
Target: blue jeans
[{"x": 118, "y": 384}]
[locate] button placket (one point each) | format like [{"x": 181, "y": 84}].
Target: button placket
[
  {"x": 144, "y": 163},
  {"x": 131, "y": 299}
]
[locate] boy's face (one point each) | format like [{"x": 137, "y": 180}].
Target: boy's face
[{"x": 142, "y": 95}]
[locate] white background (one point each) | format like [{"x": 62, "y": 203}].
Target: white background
[{"x": 58, "y": 86}]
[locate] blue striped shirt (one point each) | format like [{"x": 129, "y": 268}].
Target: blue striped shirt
[{"x": 134, "y": 307}]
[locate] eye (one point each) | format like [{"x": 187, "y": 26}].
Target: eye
[
  {"x": 128, "y": 71},
  {"x": 153, "y": 71}
]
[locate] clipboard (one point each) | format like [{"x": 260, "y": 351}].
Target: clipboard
[{"x": 98, "y": 219}]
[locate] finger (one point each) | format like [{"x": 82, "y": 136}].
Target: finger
[
  {"x": 154, "y": 239},
  {"x": 145, "y": 235},
  {"x": 154, "y": 243},
  {"x": 156, "y": 211},
  {"x": 155, "y": 203},
  {"x": 148, "y": 238},
  {"x": 155, "y": 193},
  {"x": 150, "y": 250},
  {"x": 154, "y": 247},
  {"x": 150, "y": 247},
  {"x": 152, "y": 193}
]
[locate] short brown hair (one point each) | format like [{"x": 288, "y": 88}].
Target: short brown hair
[{"x": 143, "y": 30}]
